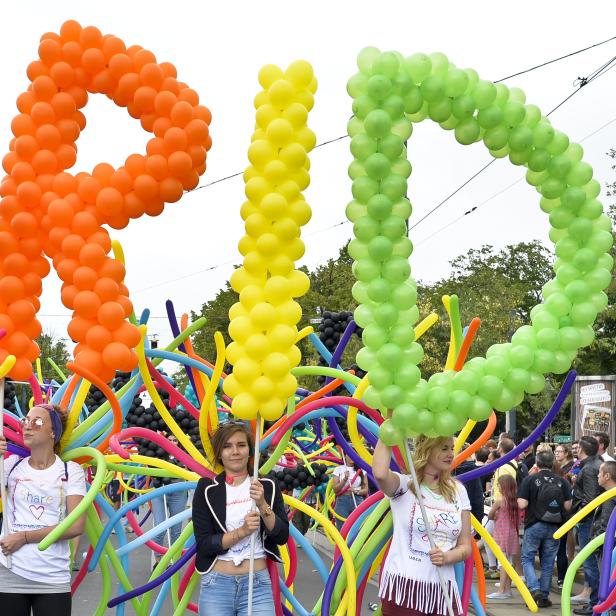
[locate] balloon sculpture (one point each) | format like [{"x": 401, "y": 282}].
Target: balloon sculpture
[{"x": 46, "y": 211}]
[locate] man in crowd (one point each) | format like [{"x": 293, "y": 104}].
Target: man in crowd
[
  {"x": 575, "y": 448},
  {"x": 545, "y": 497},
  {"x": 585, "y": 490},
  {"x": 604, "y": 444}
]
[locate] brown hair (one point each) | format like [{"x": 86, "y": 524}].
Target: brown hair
[
  {"x": 224, "y": 432},
  {"x": 423, "y": 448}
]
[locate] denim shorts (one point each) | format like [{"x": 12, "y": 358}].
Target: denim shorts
[{"x": 227, "y": 595}]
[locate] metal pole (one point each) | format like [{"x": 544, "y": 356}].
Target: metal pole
[
  {"x": 253, "y": 537},
  {"x": 166, "y": 518},
  {"x": 441, "y": 579},
  {"x": 5, "y": 501}
]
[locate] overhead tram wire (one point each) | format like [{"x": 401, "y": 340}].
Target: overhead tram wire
[
  {"x": 503, "y": 190},
  {"x": 341, "y": 137},
  {"x": 582, "y": 82}
]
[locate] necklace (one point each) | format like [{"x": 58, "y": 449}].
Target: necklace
[
  {"x": 436, "y": 495},
  {"x": 45, "y": 466}
]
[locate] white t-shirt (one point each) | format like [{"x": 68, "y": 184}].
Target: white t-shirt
[
  {"x": 239, "y": 504},
  {"x": 409, "y": 578},
  {"x": 37, "y": 499},
  {"x": 354, "y": 480},
  {"x": 607, "y": 458}
]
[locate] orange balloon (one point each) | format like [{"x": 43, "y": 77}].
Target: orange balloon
[
  {"x": 110, "y": 315},
  {"x": 86, "y": 303}
]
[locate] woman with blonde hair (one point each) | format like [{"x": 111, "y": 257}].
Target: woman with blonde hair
[{"x": 410, "y": 579}]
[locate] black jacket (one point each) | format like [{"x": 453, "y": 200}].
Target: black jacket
[
  {"x": 587, "y": 486},
  {"x": 601, "y": 517},
  {"x": 209, "y": 515},
  {"x": 474, "y": 489}
]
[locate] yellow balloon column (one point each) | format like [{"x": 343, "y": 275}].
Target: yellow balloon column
[{"x": 264, "y": 322}]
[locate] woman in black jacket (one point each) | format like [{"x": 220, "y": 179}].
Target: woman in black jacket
[{"x": 224, "y": 520}]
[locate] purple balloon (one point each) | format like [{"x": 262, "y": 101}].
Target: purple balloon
[
  {"x": 606, "y": 561},
  {"x": 527, "y": 442}
]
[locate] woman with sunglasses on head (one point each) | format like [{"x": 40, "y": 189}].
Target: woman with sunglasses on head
[
  {"x": 41, "y": 491},
  {"x": 224, "y": 520}
]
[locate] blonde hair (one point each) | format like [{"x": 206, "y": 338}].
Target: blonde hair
[
  {"x": 544, "y": 447},
  {"x": 423, "y": 449}
]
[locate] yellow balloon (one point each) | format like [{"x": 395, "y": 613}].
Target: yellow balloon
[
  {"x": 246, "y": 370},
  {"x": 299, "y": 283},
  {"x": 235, "y": 352},
  {"x": 244, "y": 406},
  {"x": 285, "y": 229},
  {"x": 254, "y": 263},
  {"x": 293, "y": 156},
  {"x": 269, "y": 74},
  {"x": 257, "y": 347},
  {"x": 276, "y": 365},
  {"x": 300, "y": 212},
  {"x": 251, "y": 295},
  {"x": 286, "y": 386},
  {"x": 248, "y": 208},
  {"x": 263, "y": 388},
  {"x": 297, "y": 114},
  {"x": 281, "y": 93},
  {"x": 279, "y": 132},
  {"x": 241, "y": 328},
  {"x": 300, "y": 74},
  {"x": 231, "y": 386},
  {"x": 237, "y": 310},
  {"x": 282, "y": 336},
  {"x": 271, "y": 409},
  {"x": 289, "y": 312},
  {"x": 274, "y": 206},
  {"x": 256, "y": 225},
  {"x": 257, "y": 188},
  {"x": 295, "y": 249},
  {"x": 268, "y": 244},
  {"x": 266, "y": 114},
  {"x": 277, "y": 290},
  {"x": 263, "y": 315},
  {"x": 261, "y": 153},
  {"x": 294, "y": 355},
  {"x": 280, "y": 265}
]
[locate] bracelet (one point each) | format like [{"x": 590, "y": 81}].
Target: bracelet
[
  {"x": 268, "y": 511},
  {"x": 26, "y": 536}
]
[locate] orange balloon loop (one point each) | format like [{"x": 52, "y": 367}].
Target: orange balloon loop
[{"x": 48, "y": 213}]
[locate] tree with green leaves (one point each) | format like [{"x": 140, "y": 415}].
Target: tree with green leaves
[{"x": 55, "y": 349}]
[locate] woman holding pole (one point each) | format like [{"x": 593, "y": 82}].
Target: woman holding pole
[
  {"x": 224, "y": 521},
  {"x": 42, "y": 491},
  {"x": 420, "y": 562},
  {"x": 350, "y": 485}
]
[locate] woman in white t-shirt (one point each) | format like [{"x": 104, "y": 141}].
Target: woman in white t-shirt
[
  {"x": 350, "y": 486},
  {"x": 41, "y": 491},
  {"x": 409, "y": 580}
]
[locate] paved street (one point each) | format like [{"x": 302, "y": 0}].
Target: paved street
[{"x": 308, "y": 587}]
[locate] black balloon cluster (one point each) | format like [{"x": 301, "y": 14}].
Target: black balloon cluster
[
  {"x": 10, "y": 400},
  {"x": 300, "y": 477},
  {"x": 94, "y": 398}
]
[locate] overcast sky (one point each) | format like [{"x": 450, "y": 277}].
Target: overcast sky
[{"x": 218, "y": 48}]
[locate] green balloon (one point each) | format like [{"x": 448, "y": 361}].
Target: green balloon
[
  {"x": 497, "y": 137},
  {"x": 517, "y": 379},
  {"x": 374, "y": 336},
  {"x": 366, "y": 269},
  {"x": 480, "y": 409},
  {"x": 446, "y": 424},
  {"x": 521, "y": 138},
  {"x": 379, "y": 290},
  {"x": 363, "y": 105},
  {"x": 418, "y": 66},
  {"x": 439, "y": 110},
  {"x": 425, "y": 421},
  {"x": 394, "y": 187},
  {"x": 379, "y": 87},
  {"x": 387, "y": 63},
  {"x": 363, "y": 316},
  {"x": 377, "y": 166},
  {"x": 456, "y": 82},
  {"x": 385, "y": 315},
  {"x": 363, "y": 146},
  {"x": 490, "y": 387},
  {"x": 366, "y": 358},
  {"x": 559, "y": 143},
  {"x": 389, "y": 354},
  {"x": 403, "y": 248},
  {"x": 513, "y": 113},
  {"x": 364, "y": 188},
  {"x": 560, "y": 166},
  {"x": 413, "y": 101},
  {"x": 392, "y": 396},
  {"x": 366, "y": 228},
  {"x": 391, "y": 146},
  {"x": 380, "y": 377},
  {"x": 543, "y": 133},
  {"x": 404, "y": 416},
  {"x": 355, "y": 210},
  {"x": 380, "y": 248},
  {"x": 440, "y": 63},
  {"x": 490, "y": 117},
  {"x": 356, "y": 85},
  {"x": 460, "y": 402},
  {"x": 379, "y": 207},
  {"x": 483, "y": 94},
  {"x": 357, "y": 249},
  {"x": 433, "y": 88},
  {"x": 407, "y": 376},
  {"x": 466, "y": 381},
  {"x": 467, "y": 131},
  {"x": 366, "y": 59},
  {"x": 397, "y": 270},
  {"x": 360, "y": 292},
  {"x": 580, "y": 174},
  {"x": 403, "y": 297},
  {"x": 539, "y": 160},
  {"x": 463, "y": 107},
  {"x": 377, "y": 123},
  {"x": 402, "y": 335},
  {"x": 497, "y": 366},
  {"x": 548, "y": 338},
  {"x": 505, "y": 400},
  {"x": 438, "y": 398},
  {"x": 388, "y": 433}
]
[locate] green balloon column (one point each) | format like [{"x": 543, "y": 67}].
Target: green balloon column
[{"x": 390, "y": 93}]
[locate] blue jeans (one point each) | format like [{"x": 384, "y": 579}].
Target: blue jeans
[
  {"x": 345, "y": 505},
  {"x": 227, "y": 595},
  {"x": 539, "y": 538},
  {"x": 176, "y": 503},
  {"x": 591, "y": 567}
]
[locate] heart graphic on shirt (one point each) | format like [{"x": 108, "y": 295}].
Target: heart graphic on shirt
[{"x": 37, "y": 511}]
